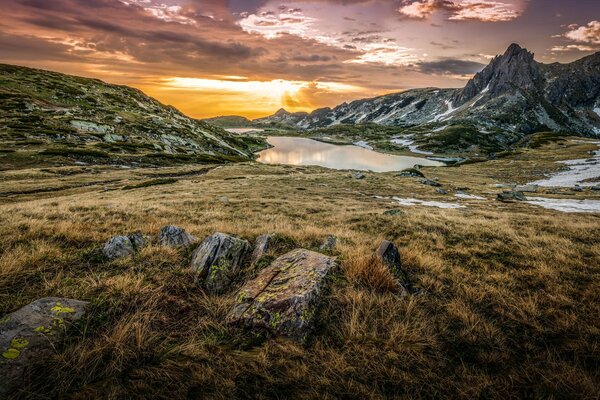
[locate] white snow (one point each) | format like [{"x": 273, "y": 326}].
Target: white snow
[
  {"x": 597, "y": 111},
  {"x": 487, "y": 89},
  {"x": 566, "y": 205},
  {"x": 449, "y": 111},
  {"x": 469, "y": 196},
  {"x": 417, "y": 202},
  {"x": 409, "y": 143},
  {"x": 363, "y": 144},
  {"x": 441, "y": 128},
  {"x": 581, "y": 170}
]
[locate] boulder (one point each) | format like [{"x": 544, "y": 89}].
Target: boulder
[
  {"x": 123, "y": 246},
  {"x": 440, "y": 191},
  {"x": 31, "y": 334},
  {"x": 329, "y": 244},
  {"x": 596, "y": 187},
  {"x": 358, "y": 175},
  {"x": 284, "y": 297},
  {"x": 388, "y": 253},
  {"x": 411, "y": 172},
  {"x": 509, "y": 196},
  {"x": 173, "y": 236},
  {"x": 118, "y": 246},
  {"x": 393, "y": 212},
  {"x": 262, "y": 245},
  {"x": 218, "y": 260}
]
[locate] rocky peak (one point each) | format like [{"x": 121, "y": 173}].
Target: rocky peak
[
  {"x": 515, "y": 69},
  {"x": 282, "y": 112}
]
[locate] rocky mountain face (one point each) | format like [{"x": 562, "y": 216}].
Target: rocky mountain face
[
  {"x": 52, "y": 115},
  {"x": 514, "y": 96},
  {"x": 282, "y": 117}
]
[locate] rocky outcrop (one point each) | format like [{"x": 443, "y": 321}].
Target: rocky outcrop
[
  {"x": 510, "y": 196},
  {"x": 262, "y": 245},
  {"x": 173, "y": 236},
  {"x": 31, "y": 334},
  {"x": 218, "y": 260},
  {"x": 284, "y": 297},
  {"x": 123, "y": 246},
  {"x": 388, "y": 254}
]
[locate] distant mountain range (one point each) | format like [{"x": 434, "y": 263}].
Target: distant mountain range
[
  {"x": 51, "y": 116},
  {"x": 513, "y": 96}
]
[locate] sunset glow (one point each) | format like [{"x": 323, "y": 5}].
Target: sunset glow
[{"x": 216, "y": 57}]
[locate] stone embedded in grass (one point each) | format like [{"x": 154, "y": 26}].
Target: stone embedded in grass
[
  {"x": 218, "y": 260},
  {"x": 123, "y": 246},
  {"x": 388, "y": 253},
  {"x": 329, "y": 244},
  {"x": 173, "y": 236},
  {"x": 31, "y": 334},
  {"x": 284, "y": 297},
  {"x": 430, "y": 182},
  {"x": 440, "y": 191},
  {"x": 262, "y": 245},
  {"x": 358, "y": 175},
  {"x": 527, "y": 188},
  {"x": 393, "y": 212},
  {"x": 411, "y": 172},
  {"x": 509, "y": 196}
]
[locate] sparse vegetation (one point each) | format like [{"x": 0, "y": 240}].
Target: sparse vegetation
[{"x": 508, "y": 304}]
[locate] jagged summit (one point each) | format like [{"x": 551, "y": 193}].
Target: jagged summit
[{"x": 516, "y": 69}]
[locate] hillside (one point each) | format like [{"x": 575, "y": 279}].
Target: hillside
[{"x": 48, "y": 117}]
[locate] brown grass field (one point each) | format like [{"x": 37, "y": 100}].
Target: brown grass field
[{"x": 509, "y": 304}]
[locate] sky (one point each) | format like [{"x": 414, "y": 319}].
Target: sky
[{"x": 252, "y": 57}]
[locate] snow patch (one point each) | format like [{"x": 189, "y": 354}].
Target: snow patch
[
  {"x": 469, "y": 196},
  {"x": 487, "y": 89},
  {"x": 363, "y": 144},
  {"x": 417, "y": 202},
  {"x": 409, "y": 143},
  {"x": 597, "y": 111},
  {"x": 566, "y": 205},
  {"x": 580, "y": 170}
]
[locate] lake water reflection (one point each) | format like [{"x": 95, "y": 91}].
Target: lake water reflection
[{"x": 302, "y": 151}]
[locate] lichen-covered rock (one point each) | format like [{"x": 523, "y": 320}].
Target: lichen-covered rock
[
  {"x": 218, "y": 260},
  {"x": 118, "y": 246},
  {"x": 283, "y": 298},
  {"x": 262, "y": 245},
  {"x": 31, "y": 334},
  {"x": 173, "y": 236},
  {"x": 388, "y": 253},
  {"x": 329, "y": 244}
]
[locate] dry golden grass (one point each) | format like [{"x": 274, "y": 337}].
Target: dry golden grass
[{"x": 509, "y": 304}]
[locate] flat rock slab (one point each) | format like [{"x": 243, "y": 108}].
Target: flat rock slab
[
  {"x": 30, "y": 334},
  {"x": 218, "y": 260},
  {"x": 283, "y": 298}
]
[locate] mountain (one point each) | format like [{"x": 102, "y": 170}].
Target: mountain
[
  {"x": 513, "y": 96},
  {"x": 52, "y": 116},
  {"x": 282, "y": 117}
]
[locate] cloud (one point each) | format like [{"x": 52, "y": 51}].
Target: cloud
[
  {"x": 450, "y": 66},
  {"x": 589, "y": 33},
  {"x": 572, "y": 47},
  {"x": 463, "y": 10}
]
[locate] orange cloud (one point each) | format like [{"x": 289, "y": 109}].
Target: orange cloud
[{"x": 462, "y": 10}]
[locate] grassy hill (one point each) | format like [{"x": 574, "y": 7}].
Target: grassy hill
[{"x": 52, "y": 118}]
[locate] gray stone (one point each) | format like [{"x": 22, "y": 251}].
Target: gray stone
[
  {"x": 262, "y": 245},
  {"x": 218, "y": 260},
  {"x": 31, "y": 334},
  {"x": 139, "y": 240},
  {"x": 173, "y": 236},
  {"x": 511, "y": 196},
  {"x": 429, "y": 182},
  {"x": 284, "y": 297},
  {"x": 596, "y": 187},
  {"x": 411, "y": 172},
  {"x": 118, "y": 246},
  {"x": 329, "y": 244},
  {"x": 358, "y": 175},
  {"x": 388, "y": 253},
  {"x": 440, "y": 191}
]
